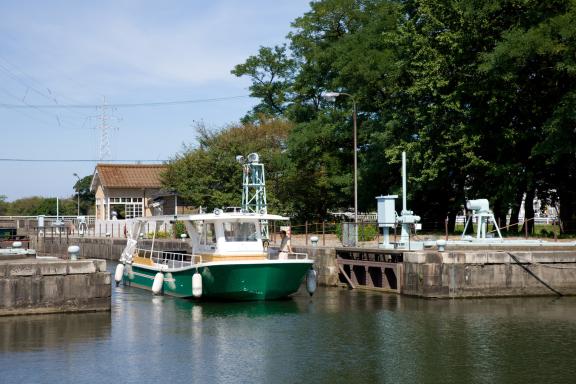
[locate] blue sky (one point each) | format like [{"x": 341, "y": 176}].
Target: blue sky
[{"x": 80, "y": 53}]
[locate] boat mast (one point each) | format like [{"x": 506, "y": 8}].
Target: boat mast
[{"x": 254, "y": 187}]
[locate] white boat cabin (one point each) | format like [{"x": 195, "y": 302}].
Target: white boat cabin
[
  {"x": 215, "y": 236},
  {"x": 228, "y": 233}
]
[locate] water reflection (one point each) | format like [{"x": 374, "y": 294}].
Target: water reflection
[
  {"x": 338, "y": 336},
  {"x": 206, "y": 310},
  {"x": 54, "y": 331}
]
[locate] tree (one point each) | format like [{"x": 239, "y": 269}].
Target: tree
[
  {"x": 87, "y": 198},
  {"x": 477, "y": 83},
  {"x": 339, "y": 47},
  {"x": 480, "y": 94},
  {"x": 533, "y": 68},
  {"x": 33, "y": 206},
  {"x": 3, "y": 205},
  {"x": 317, "y": 180},
  {"x": 208, "y": 175},
  {"x": 271, "y": 72}
]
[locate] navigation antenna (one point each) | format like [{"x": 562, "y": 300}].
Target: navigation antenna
[{"x": 254, "y": 187}]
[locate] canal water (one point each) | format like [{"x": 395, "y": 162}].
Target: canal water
[{"x": 338, "y": 336}]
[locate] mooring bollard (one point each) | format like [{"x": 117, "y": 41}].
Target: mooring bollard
[
  {"x": 73, "y": 252},
  {"x": 314, "y": 241},
  {"x": 441, "y": 245}
]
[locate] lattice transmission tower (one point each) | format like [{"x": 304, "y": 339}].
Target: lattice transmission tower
[{"x": 105, "y": 128}]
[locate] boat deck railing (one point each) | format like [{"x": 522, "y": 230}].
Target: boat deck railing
[
  {"x": 274, "y": 254},
  {"x": 181, "y": 259},
  {"x": 171, "y": 259},
  {"x": 297, "y": 256}
]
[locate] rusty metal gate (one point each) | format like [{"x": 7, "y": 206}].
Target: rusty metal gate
[{"x": 370, "y": 268}]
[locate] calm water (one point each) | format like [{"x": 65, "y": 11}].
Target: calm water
[{"x": 338, "y": 336}]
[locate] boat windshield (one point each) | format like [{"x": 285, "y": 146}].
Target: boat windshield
[
  {"x": 206, "y": 233},
  {"x": 240, "y": 231}
]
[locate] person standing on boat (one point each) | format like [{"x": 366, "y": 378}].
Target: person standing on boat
[{"x": 285, "y": 247}]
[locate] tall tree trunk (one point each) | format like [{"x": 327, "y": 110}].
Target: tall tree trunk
[
  {"x": 528, "y": 226},
  {"x": 499, "y": 215},
  {"x": 567, "y": 210},
  {"x": 515, "y": 211},
  {"x": 451, "y": 222}
]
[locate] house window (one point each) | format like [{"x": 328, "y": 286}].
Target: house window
[
  {"x": 133, "y": 210},
  {"x": 126, "y": 207}
]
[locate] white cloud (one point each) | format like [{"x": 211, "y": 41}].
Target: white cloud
[
  {"x": 140, "y": 46},
  {"x": 130, "y": 51}
]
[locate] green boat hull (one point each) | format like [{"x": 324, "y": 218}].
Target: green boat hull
[{"x": 227, "y": 281}]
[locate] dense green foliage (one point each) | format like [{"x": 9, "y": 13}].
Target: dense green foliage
[
  {"x": 36, "y": 205},
  {"x": 33, "y": 206},
  {"x": 366, "y": 232},
  {"x": 87, "y": 198},
  {"x": 208, "y": 175},
  {"x": 480, "y": 94},
  {"x": 3, "y": 205}
]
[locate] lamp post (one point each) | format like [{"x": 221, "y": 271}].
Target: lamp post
[
  {"x": 331, "y": 96},
  {"x": 175, "y": 193},
  {"x": 78, "y": 193}
]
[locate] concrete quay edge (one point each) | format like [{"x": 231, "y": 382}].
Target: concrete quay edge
[
  {"x": 490, "y": 257},
  {"x": 39, "y": 267}
]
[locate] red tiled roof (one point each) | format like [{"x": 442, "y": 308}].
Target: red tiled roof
[{"x": 129, "y": 175}]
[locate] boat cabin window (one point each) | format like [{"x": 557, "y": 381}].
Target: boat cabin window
[
  {"x": 240, "y": 231},
  {"x": 206, "y": 233}
]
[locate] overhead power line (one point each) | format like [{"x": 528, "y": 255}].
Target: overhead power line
[
  {"x": 29, "y": 84},
  {"x": 82, "y": 160},
  {"x": 123, "y": 105}
]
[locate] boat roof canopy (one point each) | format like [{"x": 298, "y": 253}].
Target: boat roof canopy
[{"x": 222, "y": 216}]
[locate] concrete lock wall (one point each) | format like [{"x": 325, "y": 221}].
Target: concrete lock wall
[
  {"x": 325, "y": 263},
  {"x": 100, "y": 248},
  {"x": 489, "y": 274},
  {"x": 459, "y": 273},
  {"x": 30, "y": 286}
]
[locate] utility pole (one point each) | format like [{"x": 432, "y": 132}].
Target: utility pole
[{"x": 78, "y": 193}]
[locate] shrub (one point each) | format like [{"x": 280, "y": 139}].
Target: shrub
[
  {"x": 180, "y": 228},
  {"x": 366, "y": 232},
  {"x": 159, "y": 235}
]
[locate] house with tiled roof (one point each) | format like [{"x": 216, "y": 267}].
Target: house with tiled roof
[{"x": 124, "y": 191}]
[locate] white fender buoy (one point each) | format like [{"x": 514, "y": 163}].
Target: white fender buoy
[
  {"x": 311, "y": 281},
  {"x": 197, "y": 285},
  {"x": 158, "y": 283},
  {"x": 129, "y": 272},
  {"x": 119, "y": 273},
  {"x": 169, "y": 280}
]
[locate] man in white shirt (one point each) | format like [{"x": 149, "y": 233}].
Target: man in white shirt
[{"x": 285, "y": 247}]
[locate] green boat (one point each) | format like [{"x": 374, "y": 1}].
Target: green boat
[{"x": 229, "y": 260}]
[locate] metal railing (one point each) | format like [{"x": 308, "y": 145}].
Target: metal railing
[
  {"x": 291, "y": 256},
  {"x": 537, "y": 220},
  {"x": 170, "y": 259},
  {"x": 48, "y": 219}
]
